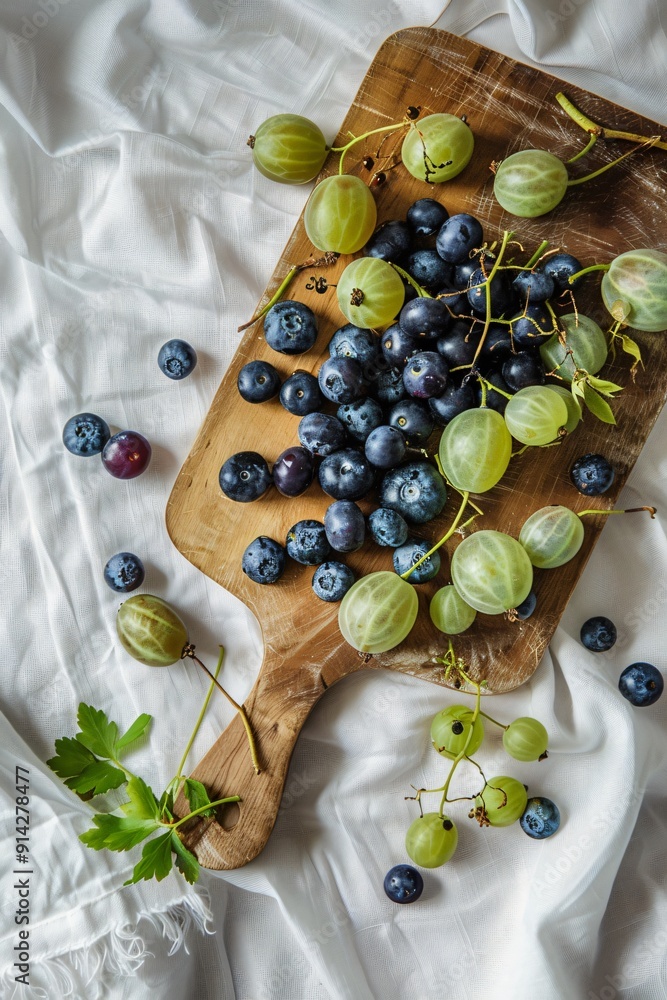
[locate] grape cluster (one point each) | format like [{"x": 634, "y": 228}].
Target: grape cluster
[{"x": 457, "y": 732}]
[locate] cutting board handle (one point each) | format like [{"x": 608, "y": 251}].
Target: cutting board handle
[{"x": 239, "y": 832}]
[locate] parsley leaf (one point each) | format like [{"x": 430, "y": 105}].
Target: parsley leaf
[
  {"x": 155, "y": 860},
  {"x": 71, "y": 758},
  {"x": 197, "y": 796},
  {"x": 97, "y": 733},
  {"x": 117, "y": 833},
  {"x": 97, "y": 778},
  {"x": 137, "y": 729},
  {"x": 142, "y": 804},
  {"x": 185, "y": 860}
]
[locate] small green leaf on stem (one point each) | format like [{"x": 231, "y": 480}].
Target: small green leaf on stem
[
  {"x": 603, "y": 386},
  {"x": 117, "y": 833},
  {"x": 197, "y": 796},
  {"x": 137, "y": 729},
  {"x": 143, "y": 803},
  {"x": 97, "y": 732},
  {"x": 185, "y": 860},
  {"x": 81, "y": 770},
  {"x": 155, "y": 860},
  {"x": 598, "y": 406}
]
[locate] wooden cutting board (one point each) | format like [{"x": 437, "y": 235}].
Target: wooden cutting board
[{"x": 509, "y": 106}]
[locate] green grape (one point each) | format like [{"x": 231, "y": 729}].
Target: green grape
[
  {"x": 340, "y": 214},
  {"x": 151, "y": 631},
  {"x": 586, "y": 341},
  {"x": 431, "y": 840},
  {"x": 492, "y": 572},
  {"x": 378, "y": 612},
  {"x": 450, "y": 729},
  {"x": 530, "y": 183},
  {"x": 437, "y": 148},
  {"x": 289, "y": 148},
  {"x": 475, "y": 449},
  {"x": 552, "y": 536},
  {"x": 525, "y": 739},
  {"x": 634, "y": 289},
  {"x": 534, "y": 415},
  {"x": 503, "y": 799},
  {"x": 449, "y": 612},
  {"x": 573, "y": 408},
  {"x": 376, "y": 287}
]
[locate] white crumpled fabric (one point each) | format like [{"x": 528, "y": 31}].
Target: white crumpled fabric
[{"x": 130, "y": 214}]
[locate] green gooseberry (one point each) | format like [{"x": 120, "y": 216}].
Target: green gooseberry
[{"x": 151, "y": 631}]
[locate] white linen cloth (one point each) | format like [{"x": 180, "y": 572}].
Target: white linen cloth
[{"x": 129, "y": 214}]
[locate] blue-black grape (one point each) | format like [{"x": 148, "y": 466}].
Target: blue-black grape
[
  {"x": 497, "y": 345},
  {"x": 126, "y": 455},
  {"x": 398, "y": 346},
  {"x": 391, "y": 241},
  {"x": 416, "y": 491},
  {"x": 341, "y": 380},
  {"x": 388, "y": 388},
  {"x": 459, "y": 344},
  {"x": 454, "y": 400},
  {"x": 352, "y": 341},
  {"x": 429, "y": 270},
  {"x": 522, "y": 369},
  {"x": 494, "y": 400},
  {"x": 560, "y": 267},
  {"x": 346, "y": 475},
  {"x": 293, "y": 471},
  {"x": 458, "y": 237},
  {"x": 300, "y": 394},
  {"x": 245, "y": 477},
  {"x": 425, "y": 318},
  {"x": 464, "y": 271},
  {"x": 413, "y": 419},
  {"x": 425, "y": 216},
  {"x": 532, "y": 327},
  {"x": 258, "y": 381},
  {"x": 385, "y": 447},
  {"x": 387, "y": 527},
  {"x": 425, "y": 375},
  {"x": 501, "y": 292},
  {"x": 534, "y": 286},
  {"x": 344, "y": 526},
  {"x": 321, "y": 433}
]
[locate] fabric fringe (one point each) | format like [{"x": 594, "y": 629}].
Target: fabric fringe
[{"x": 89, "y": 973}]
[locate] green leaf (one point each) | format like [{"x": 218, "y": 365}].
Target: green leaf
[
  {"x": 99, "y": 777},
  {"x": 197, "y": 796},
  {"x": 185, "y": 860},
  {"x": 601, "y": 385},
  {"x": 142, "y": 804},
  {"x": 71, "y": 758},
  {"x": 631, "y": 347},
  {"x": 155, "y": 860},
  {"x": 97, "y": 732},
  {"x": 598, "y": 406},
  {"x": 137, "y": 729},
  {"x": 166, "y": 804},
  {"x": 577, "y": 390},
  {"x": 117, "y": 833}
]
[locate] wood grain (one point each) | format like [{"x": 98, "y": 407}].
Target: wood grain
[{"x": 509, "y": 106}]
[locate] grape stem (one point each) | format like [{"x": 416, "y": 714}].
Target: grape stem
[
  {"x": 628, "y": 510},
  {"x": 587, "y": 270},
  {"x": 201, "y": 809},
  {"x": 189, "y": 651},
  {"x": 445, "y": 537},
  {"x": 493, "y": 388},
  {"x": 359, "y": 138},
  {"x": 588, "y": 125},
  {"x": 494, "y": 721},
  {"x": 586, "y": 149},
  {"x": 462, "y": 753},
  {"x": 607, "y": 166},
  {"x": 176, "y": 780},
  {"x": 536, "y": 256},
  {"x": 507, "y": 235},
  {"x": 329, "y": 258}
]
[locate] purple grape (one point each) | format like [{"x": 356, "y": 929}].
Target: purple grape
[
  {"x": 293, "y": 471},
  {"x": 126, "y": 455}
]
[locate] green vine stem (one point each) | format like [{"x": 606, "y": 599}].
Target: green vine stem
[
  {"x": 445, "y": 537},
  {"x": 329, "y": 258},
  {"x": 538, "y": 253},
  {"x": 421, "y": 292},
  {"x": 588, "y": 125},
  {"x": 462, "y": 753},
  {"x": 628, "y": 510},
  {"x": 201, "y": 809},
  {"x": 486, "y": 385},
  {"x": 587, "y": 270},
  {"x": 494, "y": 721},
  {"x": 601, "y": 170},
  {"x": 176, "y": 780},
  {"x": 190, "y": 652},
  {"x": 507, "y": 235},
  {"x": 586, "y": 149},
  {"x": 359, "y": 138}
]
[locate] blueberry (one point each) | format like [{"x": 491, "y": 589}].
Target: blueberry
[
  {"x": 258, "y": 381},
  {"x": 592, "y": 474},
  {"x": 458, "y": 237},
  {"x": 459, "y": 344},
  {"x": 429, "y": 270},
  {"x": 454, "y": 400},
  {"x": 501, "y": 296},
  {"x": 345, "y": 526},
  {"x": 497, "y": 345},
  {"x": 532, "y": 327},
  {"x": 388, "y": 386},
  {"x": 341, "y": 380},
  {"x": 522, "y": 369},
  {"x": 355, "y": 342},
  {"x": 642, "y": 684},
  {"x": 346, "y": 475},
  {"x": 332, "y": 580},
  {"x": 534, "y": 286},
  {"x": 494, "y": 400},
  {"x": 425, "y": 375},
  {"x": 403, "y": 883},
  {"x": 124, "y": 572},
  {"x": 411, "y": 552},
  {"x": 416, "y": 491},
  {"x": 541, "y": 818},
  {"x": 526, "y": 608},
  {"x": 414, "y": 419},
  {"x": 560, "y": 267},
  {"x": 427, "y": 318},
  {"x": 426, "y": 216},
  {"x": 245, "y": 477},
  {"x": 177, "y": 359},
  {"x": 307, "y": 543},
  {"x": 598, "y": 634},
  {"x": 300, "y": 394},
  {"x": 388, "y": 528},
  {"x": 398, "y": 346},
  {"x": 290, "y": 327},
  {"x": 464, "y": 271},
  {"x": 390, "y": 241},
  {"x": 85, "y": 434},
  {"x": 385, "y": 447},
  {"x": 264, "y": 560},
  {"x": 293, "y": 471},
  {"x": 360, "y": 417},
  {"x": 321, "y": 433}
]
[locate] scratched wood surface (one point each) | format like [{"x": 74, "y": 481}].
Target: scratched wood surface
[{"x": 509, "y": 107}]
